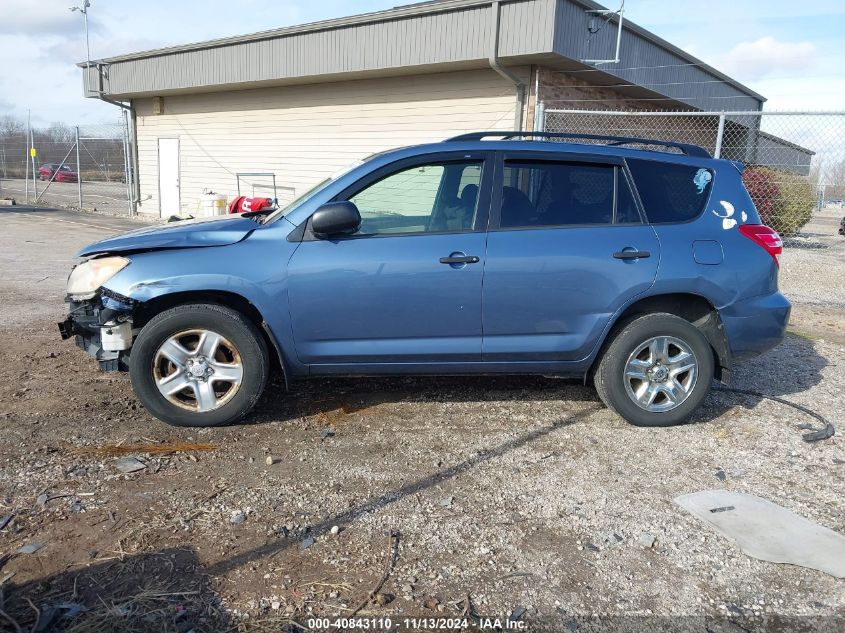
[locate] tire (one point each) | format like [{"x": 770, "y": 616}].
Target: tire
[
  {"x": 637, "y": 349},
  {"x": 185, "y": 333}
]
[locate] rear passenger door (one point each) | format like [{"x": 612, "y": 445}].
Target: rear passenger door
[{"x": 567, "y": 247}]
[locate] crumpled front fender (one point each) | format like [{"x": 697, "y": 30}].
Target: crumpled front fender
[
  {"x": 142, "y": 290},
  {"x": 255, "y": 270}
]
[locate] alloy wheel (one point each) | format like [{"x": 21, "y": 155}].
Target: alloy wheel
[
  {"x": 199, "y": 370},
  {"x": 660, "y": 373}
]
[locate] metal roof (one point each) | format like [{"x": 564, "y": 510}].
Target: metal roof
[
  {"x": 785, "y": 143},
  {"x": 426, "y": 37}
]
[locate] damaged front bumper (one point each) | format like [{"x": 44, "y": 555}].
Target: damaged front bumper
[{"x": 103, "y": 327}]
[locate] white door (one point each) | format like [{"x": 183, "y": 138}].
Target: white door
[{"x": 168, "y": 176}]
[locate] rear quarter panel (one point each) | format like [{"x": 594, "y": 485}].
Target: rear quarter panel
[
  {"x": 742, "y": 284},
  {"x": 745, "y": 270}
]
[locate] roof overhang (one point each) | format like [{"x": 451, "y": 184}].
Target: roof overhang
[{"x": 428, "y": 37}]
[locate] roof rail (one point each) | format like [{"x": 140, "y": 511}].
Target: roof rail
[{"x": 686, "y": 148}]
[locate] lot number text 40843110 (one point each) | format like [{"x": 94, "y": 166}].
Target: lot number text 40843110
[{"x": 415, "y": 624}]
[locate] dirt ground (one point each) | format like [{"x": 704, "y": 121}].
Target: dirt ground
[{"x": 493, "y": 496}]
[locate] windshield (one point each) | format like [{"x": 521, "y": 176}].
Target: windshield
[{"x": 283, "y": 211}]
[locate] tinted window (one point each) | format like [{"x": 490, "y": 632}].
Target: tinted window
[
  {"x": 434, "y": 197},
  {"x": 562, "y": 194},
  {"x": 671, "y": 192}
]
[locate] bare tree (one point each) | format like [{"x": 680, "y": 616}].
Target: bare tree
[
  {"x": 11, "y": 126},
  {"x": 834, "y": 177},
  {"x": 59, "y": 133}
]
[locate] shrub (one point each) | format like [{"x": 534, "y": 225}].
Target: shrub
[
  {"x": 797, "y": 201},
  {"x": 784, "y": 200}
]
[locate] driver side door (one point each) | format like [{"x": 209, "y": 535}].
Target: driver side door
[{"x": 405, "y": 289}]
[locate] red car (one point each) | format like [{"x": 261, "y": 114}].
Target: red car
[{"x": 63, "y": 173}]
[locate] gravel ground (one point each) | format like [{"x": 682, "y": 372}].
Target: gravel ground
[
  {"x": 106, "y": 197},
  {"x": 813, "y": 277},
  {"x": 520, "y": 496}
]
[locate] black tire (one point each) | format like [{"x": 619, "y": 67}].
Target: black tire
[
  {"x": 216, "y": 318},
  {"x": 610, "y": 373}
]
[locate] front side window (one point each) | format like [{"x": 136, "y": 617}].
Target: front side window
[
  {"x": 429, "y": 198},
  {"x": 546, "y": 193},
  {"x": 671, "y": 192}
]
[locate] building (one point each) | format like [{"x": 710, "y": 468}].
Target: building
[
  {"x": 299, "y": 103},
  {"x": 782, "y": 154}
]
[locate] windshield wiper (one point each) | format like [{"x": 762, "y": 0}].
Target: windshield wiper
[{"x": 257, "y": 214}]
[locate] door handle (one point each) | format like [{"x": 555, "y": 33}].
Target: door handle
[
  {"x": 630, "y": 253},
  {"x": 460, "y": 259}
]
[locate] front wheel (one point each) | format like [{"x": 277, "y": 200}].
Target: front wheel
[
  {"x": 656, "y": 371},
  {"x": 199, "y": 365}
]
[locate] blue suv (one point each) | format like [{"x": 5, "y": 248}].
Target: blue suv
[{"x": 646, "y": 270}]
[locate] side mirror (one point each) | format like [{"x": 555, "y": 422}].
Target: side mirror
[{"x": 336, "y": 218}]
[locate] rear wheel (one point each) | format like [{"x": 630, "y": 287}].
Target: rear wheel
[
  {"x": 656, "y": 371},
  {"x": 199, "y": 365}
]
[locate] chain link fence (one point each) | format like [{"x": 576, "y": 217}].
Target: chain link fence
[
  {"x": 795, "y": 161},
  {"x": 81, "y": 167}
]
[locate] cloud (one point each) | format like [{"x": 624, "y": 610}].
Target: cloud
[
  {"x": 750, "y": 61},
  {"x": 37, "y": 19},
  {"x": 72, "y": 50}
]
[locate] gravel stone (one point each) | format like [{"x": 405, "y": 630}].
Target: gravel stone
[
  {"x": 237, "y": 517},
  {"x": 129, "y": 464},
  {"x": 647, "y": 540}
]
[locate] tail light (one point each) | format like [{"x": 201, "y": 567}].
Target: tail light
[{"x": 764, "y": 237}]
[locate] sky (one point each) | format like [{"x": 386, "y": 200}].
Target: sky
[{"x": 790, "y": 52}]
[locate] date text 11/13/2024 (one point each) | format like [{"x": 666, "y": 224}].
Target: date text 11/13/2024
[{"x": 416, "y": 624}]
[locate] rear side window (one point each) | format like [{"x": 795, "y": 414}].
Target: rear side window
[
  {"x": 671, "y": 192},
  {"x": 546, "y": 193}
]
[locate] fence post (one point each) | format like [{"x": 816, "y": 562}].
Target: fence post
[
  {"x": 720, "y": 135},
  {"x": 78, "y": 170},
  {"x": 32, "y": 160},
  {"x": 820, "y": 196},
  {"x": 26, "y": 158},
  {"x": 26, "y": 169}
]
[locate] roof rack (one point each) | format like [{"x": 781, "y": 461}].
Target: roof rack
[{"x": 686, "y": 148}]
